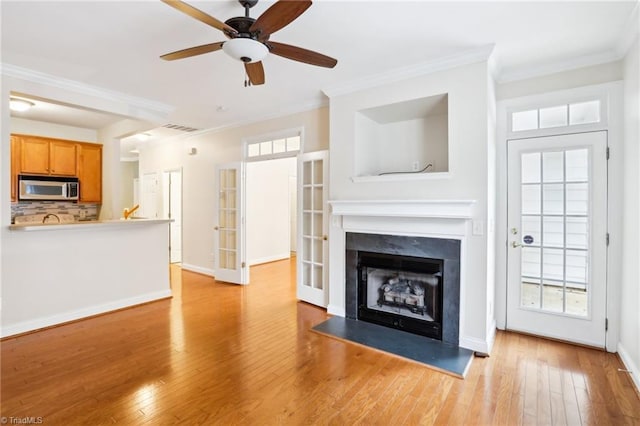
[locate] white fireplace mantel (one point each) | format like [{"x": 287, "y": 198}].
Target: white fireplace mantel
[{"x": 445, "y": 209}]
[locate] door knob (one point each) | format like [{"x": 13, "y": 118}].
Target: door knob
[
  {"x": 216, "y": 228},
  {"x": 515, "y": 245},
  {"x": 514, "y": 231},
  {"x": 324, "y": 237}
]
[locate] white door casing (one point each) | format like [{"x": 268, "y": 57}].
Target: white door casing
[
  {"x": 229, "y": 231},
  {"x": 172, "y": 209},
  {"x": 557, "y": 245},
  {"x": 312, "y": 247}
]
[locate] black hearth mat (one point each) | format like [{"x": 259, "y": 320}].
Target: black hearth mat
[{"x": 432, "y": 353}]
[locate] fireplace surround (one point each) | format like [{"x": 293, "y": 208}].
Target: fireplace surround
[{"x": 402, "y": 260}]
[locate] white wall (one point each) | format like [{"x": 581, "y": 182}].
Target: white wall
[
  {"x": 40, "y": 128},
  {"x": 469, "y": 150},
  {"x": 492, "y": 188},
  {"x": 579, "y": 77},
  {"x": 268, "y": 209},
  {"x": 421, "y": 140},
  {"x": 128, "y": 172},
  {"x": 629, "y": 345},
  {"x": 219, "y": 147}
]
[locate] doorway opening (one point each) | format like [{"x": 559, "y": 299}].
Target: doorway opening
[{"x": 271, "y": 212}]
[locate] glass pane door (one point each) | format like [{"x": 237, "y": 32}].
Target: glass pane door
[
  {"x": 555, "y": 219},
  {"x": 229, "y": 245},
  {"x": 312, "y": 248},
  {"x": 557, "y": 228}
]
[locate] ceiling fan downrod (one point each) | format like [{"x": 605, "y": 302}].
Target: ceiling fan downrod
[{"x": 247, "y": 4}]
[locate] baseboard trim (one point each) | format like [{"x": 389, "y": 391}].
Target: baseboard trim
[
  {"x": 491, "y": 335},
  {"x": 198, "y": 269},
  {"x": 475, "y": 344},
  {"x": 65, "y": 317},
  {"x": 268, "y": 259},
  {"x": 630, "y": 365}
]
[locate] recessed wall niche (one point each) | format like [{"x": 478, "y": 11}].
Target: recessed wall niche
[{"x": 407, "y": 138}]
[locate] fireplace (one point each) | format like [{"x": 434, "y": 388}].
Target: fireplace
[
  {"x": 402, "y": 292},
  {"x": 404, "y": 282}
]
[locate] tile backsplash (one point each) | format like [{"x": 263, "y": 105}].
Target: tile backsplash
[{"x": 82, "y": 212}]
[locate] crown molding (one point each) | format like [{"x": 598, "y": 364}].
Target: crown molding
[
  {"x": 33, "y": 76},
  {"x": 399, "y": 74},
  {"x": 517, "y": 74}
]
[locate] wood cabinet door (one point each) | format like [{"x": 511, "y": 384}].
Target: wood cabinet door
[
  {"x": 62, "y": 158},
  {"x": 90, "y": 172},
  {"x": 34, "y": 155},
  {"x": 15, "y": 166}
]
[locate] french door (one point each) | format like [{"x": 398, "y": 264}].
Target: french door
[
  {"x": 557, "y": 245},
  {"x": 229, "y": 239},
  {"x": 312, "y": 228}
]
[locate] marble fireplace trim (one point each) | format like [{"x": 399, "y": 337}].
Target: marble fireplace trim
[{"x": 420, "y": 218}]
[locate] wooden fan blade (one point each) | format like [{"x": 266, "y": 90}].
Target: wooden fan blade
[
  {"x": 255, "y": 71},
  {"x": 301, "y": 55},
  {"x": 199, "y": 15},
  {"x": 279, "y": 15},
  {"x": 193, "y": 51}
]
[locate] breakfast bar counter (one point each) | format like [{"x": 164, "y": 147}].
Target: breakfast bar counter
[
  {"x": 54, "y": 273},
  {"x": 85, "y": 224}
]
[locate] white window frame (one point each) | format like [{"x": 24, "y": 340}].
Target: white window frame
[
  {"x": 267, "y": 137},
  {"x": 558, "y": 99}
]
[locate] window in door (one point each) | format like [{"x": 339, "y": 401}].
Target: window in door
[{"x": 555, "y": 229}]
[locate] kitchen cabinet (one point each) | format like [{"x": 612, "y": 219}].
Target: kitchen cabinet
[
  {"x": 58, "y": 157},
  {"x": 90, "y": 172},
  {"x": 47, "y": 156},
  {"x": 15, "y": 160}
]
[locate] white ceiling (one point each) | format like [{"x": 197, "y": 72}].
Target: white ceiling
[{"x": 116, "y": 46}]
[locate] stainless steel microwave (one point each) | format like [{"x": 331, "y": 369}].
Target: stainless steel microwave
[{"x": 48, "y": 188}]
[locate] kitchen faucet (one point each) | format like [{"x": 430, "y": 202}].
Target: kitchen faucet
[
  {"x": 128, "y": 212},
  {"x": 48, "y": 215}
]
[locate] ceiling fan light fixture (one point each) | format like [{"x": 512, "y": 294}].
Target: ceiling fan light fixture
[
  {"x": 19, "y": 105},
  {"x": 245, "y": 49}
]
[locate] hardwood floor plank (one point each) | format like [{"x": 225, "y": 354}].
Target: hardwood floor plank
[{"x": 221, "y": 354}]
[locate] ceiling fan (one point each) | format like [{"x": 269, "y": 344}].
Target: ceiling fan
[{"x": 249, "y": 38}]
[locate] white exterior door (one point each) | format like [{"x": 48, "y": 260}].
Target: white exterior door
[
  {"x": 229, "y": 233},
  {"x": 312, "y": 228},
  {"x": 557, "y": 246}
]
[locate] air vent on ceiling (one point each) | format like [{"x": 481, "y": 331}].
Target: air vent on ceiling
[{"x": 180, "y": 128}]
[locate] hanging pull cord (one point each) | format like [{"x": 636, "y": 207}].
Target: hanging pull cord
[{"x": 247, "y": 80}]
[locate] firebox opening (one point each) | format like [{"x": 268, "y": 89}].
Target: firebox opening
[{"x": 401, "y": 292}]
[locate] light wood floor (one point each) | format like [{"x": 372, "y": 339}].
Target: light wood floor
[{"x": 224, "y": 354}]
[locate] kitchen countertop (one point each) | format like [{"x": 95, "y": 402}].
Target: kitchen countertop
[{"x": 86, "y": 224}]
